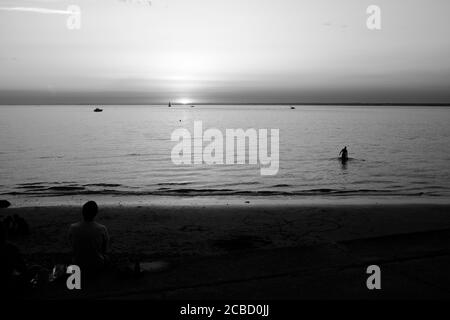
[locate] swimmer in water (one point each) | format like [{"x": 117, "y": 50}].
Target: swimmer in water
[{"x": 344, "y": 154}]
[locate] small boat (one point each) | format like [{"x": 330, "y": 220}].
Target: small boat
[
  {"x": 98, "y": 110},
  {"x": 292, "y": 108},
  {"x": 170, "y": 104}
]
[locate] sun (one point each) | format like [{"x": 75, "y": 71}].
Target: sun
[{"x": 184, "y": 101}]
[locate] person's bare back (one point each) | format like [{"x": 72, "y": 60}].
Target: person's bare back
[{"x": 89, "y": 239}]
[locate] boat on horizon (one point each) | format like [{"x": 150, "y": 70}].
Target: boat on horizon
[{"x": 98, "y": 110}]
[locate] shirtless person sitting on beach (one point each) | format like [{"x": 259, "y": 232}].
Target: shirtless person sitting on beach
[{"x": 89, "y": 240}]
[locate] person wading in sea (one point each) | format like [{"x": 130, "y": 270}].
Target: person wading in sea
[{"x": 344, "y": 154}]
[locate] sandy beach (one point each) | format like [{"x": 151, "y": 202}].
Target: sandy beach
[
  {"x": 173, "y": 231},
  {"x": 212, "y": 236}
]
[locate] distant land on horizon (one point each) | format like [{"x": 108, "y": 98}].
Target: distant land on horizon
[{"x": 447, "y": 104}]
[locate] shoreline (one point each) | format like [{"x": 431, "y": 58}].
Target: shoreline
[{"x": 182, "y": 200}]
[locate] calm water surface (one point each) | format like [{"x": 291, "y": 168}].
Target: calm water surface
[{"x": 48, "y": 151}]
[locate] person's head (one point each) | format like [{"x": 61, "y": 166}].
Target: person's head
[{"x": 90, "y": 210}]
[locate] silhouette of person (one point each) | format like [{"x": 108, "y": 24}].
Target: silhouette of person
[
  {"x": 89, "y": 240},
  {"x": 12, "y": 267},
  {"x": 21, "y": 227},
  {"x": 344, "y": 154},
  {"x": 8, "y": 226}
]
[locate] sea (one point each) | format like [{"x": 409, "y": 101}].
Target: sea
[{"x": 69, "y": 152}]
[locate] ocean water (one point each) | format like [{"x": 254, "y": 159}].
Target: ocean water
[{"x": 54, "y": 151}]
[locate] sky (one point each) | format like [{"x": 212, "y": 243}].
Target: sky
[{"x": 233, "y": 51}]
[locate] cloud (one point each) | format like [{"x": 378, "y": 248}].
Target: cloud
[
  {"x": 144, "y": 2},
  {"x": 35, "y": 10}
]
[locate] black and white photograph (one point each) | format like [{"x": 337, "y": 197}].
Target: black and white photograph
[{"x": 224, "y": 155}]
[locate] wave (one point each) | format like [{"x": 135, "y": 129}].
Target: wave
[
  {"x": 30, "y": 183},
  {"x": 31, "y": 186},
  {"x": 164, "y": 191},
  {"x": 111, "y": 185},
  {"x": 136, "y": 154},
  {"x": 173, "y": 183},
  {"x": 66, "y": 188},
  {"x": 51, "y": 157}
]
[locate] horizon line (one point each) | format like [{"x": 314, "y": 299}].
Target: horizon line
[{"x": 243, "y": 103}]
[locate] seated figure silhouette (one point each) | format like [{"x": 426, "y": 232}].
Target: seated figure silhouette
[
  {"x": 344, "y": 154},
  {"x": 12, "y": 267},
  {"x": 89, "y": 240},
  {"x": 21, "y": 227}
]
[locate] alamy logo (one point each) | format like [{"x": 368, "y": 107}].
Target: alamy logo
[
  {"x": 374, "y": 280},
  {"x": 241, "y": 146},
  {"x": 374, "y": 20},
  {"x": 74, "y": 280},
  {"x": 74, "y": 19}
]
